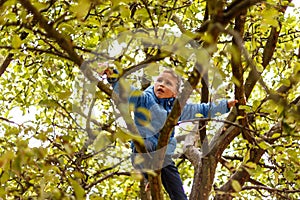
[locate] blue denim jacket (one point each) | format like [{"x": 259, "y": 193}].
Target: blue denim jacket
[{"x": 150, "y": 114}]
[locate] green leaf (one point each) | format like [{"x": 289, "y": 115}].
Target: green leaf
[
  {"x": 236, "y": 185},
  {"x": 81, "y": 9},
  {"x": 125, "y": 136},
  {"x": 270, "y": 17},
  {"x": 103, "y": 139},
  {"x": 79, "y": 191},
  {"x": 244, "y": 107},
  {"x": 276, "y": 135},
  {"x": 12, "y": 131},
  {"x": 64, "y": 95},
  {"x": 250, "y": 165},
  {"x": 141, "y": 14},
  {"x": 49, "y": 103},
  {"x": 4, "y": 177},
  {"x": 67, "y": 28},
  {"x": 39, "y": 5},
  {"x": 16, "y": 42},
  {"x": 124, "y": 11},
  {"x": 289, "y": 174},
  {"x": 2, "y": 192},
  {"x": 264, "y": 145},
  {"x": 246, "y": 156}
]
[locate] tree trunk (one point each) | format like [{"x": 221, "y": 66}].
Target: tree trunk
[
  {"x": 156, "y": 186},
  {"x": 145, "y": 195}
]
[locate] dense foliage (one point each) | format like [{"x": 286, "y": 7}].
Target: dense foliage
[{"x": 60, "y": 135}]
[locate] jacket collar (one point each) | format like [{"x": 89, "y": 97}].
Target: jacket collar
[{"x": 165, "y": 102}]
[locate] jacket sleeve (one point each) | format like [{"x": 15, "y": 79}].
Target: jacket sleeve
[
  {"x": 207, "y": 110},
  {"x": 132, "y": 94}
]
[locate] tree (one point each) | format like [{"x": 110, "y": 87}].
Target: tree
[{"x": 68, "y": 143}]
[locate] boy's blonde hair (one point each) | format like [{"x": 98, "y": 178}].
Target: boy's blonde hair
[{"x": 170, "y": 71}]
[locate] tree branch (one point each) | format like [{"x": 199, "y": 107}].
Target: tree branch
[
  {"x": 236, "y": 7},
  {"x": 107, "y": 177},
  {"x": 272, "y": 190},
  {"x": 65, "y": 43},
  {"x": 5, "y": 64}
]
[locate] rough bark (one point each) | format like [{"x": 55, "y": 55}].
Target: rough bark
[{"x": 238, "y": 73}]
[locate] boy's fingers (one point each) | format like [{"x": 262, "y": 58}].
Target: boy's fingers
[
  {"x": 232, "y": 103},
  {"x": 103, "y": 66},
  {"x": 107, "y": 71}
]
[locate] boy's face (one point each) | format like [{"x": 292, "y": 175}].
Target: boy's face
[{"x": 165, "y": 86}]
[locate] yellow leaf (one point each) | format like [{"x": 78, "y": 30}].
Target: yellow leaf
[
  {"x": 236, "y": 81},
  {"x": 199, "y": 115},
  {"x": 145, "y": 112},
  {"x": 137, "y": 175},
  {"x": 136, "y": 93},
  {"x": 138, "y": 159},
  {"x": 240, "y": 117},
  {"x": 151, "y": 172}
]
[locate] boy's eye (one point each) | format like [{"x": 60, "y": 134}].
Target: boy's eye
[
  {"x": 169, "y": 83},
  {"x": 165, "y": 81}
]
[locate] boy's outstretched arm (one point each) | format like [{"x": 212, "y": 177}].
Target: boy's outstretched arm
[{"x": 191, "y": 111}]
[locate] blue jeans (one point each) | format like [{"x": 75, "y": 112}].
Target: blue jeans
[{"x": 171, "y": 181}]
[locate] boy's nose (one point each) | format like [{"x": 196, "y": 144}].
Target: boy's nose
[{"x": 162, "y": 84}]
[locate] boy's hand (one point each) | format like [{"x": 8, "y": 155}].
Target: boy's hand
[
  {"x": 107, "y": 70},
  {"x": 231, "y": 103}
]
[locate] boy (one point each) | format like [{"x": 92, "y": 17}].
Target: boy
[{"x": 158, "y": 101}]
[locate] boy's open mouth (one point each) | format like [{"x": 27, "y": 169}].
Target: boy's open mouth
[{"x": 160, "y": 90}]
